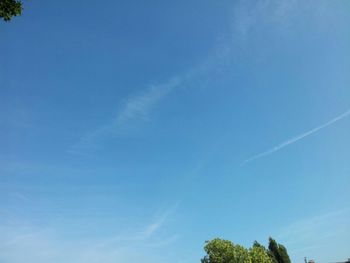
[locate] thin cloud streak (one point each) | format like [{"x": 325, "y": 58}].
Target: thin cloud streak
[
  {"x": 140, "y": 106},
  {"x": 158, "y": 223},
  {"x": 297, "y": 138},
  {"x": 45, "y": 244},
  {"x": 307, "y": 236},
  {"x": 136, "y": 108}
]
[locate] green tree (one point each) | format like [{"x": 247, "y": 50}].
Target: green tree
[
  {"x": 10, "y": 8},
  {"x": 284, "y": 254},
  {"x": 273, "y": 248},
  {"x": 259, "y": 254},
  {"x": 278, "y": 252},
  {"x": 257, "y": 244},
  {"x": 224, "y": 251}
]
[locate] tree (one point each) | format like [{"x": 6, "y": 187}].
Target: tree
[
  {"x": 257, "y": 244},
  {"x": 284, "y": 254},
  {"x": 278, "y": 252},
  {"x": 10, "y": 8},
  {"x": 224, "y": 251},
  {"x": 273, "y": 248},
  {"x": 259, "y": 254}
]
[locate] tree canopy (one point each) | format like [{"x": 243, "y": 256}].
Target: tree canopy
[
  {"x": 278, "y": 252},
  {"x": 258, "y": 254},
  {"x": 9, "y": 9},
  {"x": 224, "y": 251}
]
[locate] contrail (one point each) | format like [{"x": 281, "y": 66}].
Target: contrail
[{"x": 297, "y": 138}]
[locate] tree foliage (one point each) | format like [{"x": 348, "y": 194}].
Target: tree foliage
[
  {"x": 278, "y": 252},
  {"x": 224, "y": 251},
  {"x": 259, "y": 254},
  {"x": 284, "y": 254},
  {"x": 9, "y": 9}
]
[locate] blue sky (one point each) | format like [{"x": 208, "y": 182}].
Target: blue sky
[{"x": 136, "y": 131}]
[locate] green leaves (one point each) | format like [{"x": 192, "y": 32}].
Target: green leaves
[
  {"x": 10, "y": 8},
  {"x": 224, "y": 251},
  {"x": 259, "y": 254}
]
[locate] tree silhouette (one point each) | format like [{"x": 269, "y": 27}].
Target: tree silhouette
[
  {"x": 9, "y": 9},
  {"x": 278, "y": 252}
]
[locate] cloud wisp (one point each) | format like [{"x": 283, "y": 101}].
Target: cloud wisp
[
  {"x": 141, "y": 105},
  {"x": 136, "y": 107},
  {"x": 49, "y": 244},
  {"x": 246, "y": 17},
  {"x": 307, "y": 235},
  {"x": 297, "y": 138}
]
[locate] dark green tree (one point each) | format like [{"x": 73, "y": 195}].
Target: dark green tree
[
  {"x": 278, "y": 252},
  {"x": 9, "y": 9},
  {"x": 273, "y": 248},
  {"x": 284, "y": 254}
]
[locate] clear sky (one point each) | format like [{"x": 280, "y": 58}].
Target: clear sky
[{"x": 133, "y": 131}]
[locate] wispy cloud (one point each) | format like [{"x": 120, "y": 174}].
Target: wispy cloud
[
  {"x": 159, "y": 222},
  {"x": 153, "y": 227},
  {"x": 246, "y": 17},
  {"x": 139, "y": 107},
  {"x": 48, "y": 244},
  {"x": 306, "y": 236},
  {"x": 305, "y": 228},
  {"x": 297, "y": 138},
  {"x": 136, "y": 108}
]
